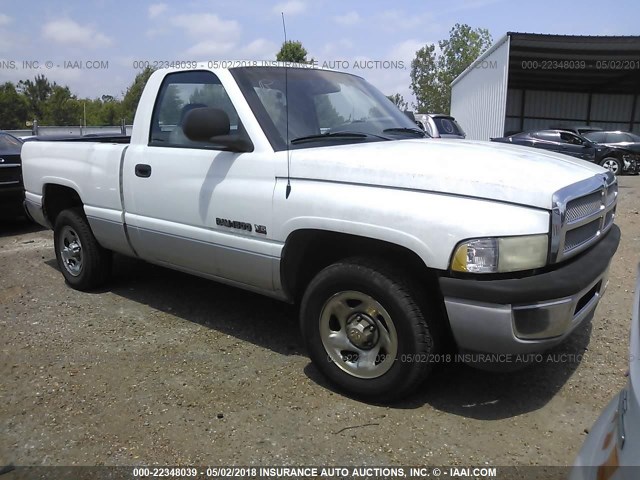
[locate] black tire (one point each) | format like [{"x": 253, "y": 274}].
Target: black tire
[
  {"x": 609, "y": 162},
  {"x": 413, "y": 318},
  {"x": 84, "y": 264}
]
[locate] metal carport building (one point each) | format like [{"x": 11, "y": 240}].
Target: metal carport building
[{"x": 529, "y": 81}]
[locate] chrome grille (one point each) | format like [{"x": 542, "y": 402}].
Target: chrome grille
[
  {"x": 608, "y": 219},
  {"x": 583, "y": 207},
  {"x": 581, "y": 214},
  {"x": 578, "y": 236},
  {"x": 612, "y": 193}
]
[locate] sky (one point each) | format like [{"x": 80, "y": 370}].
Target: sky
[{"x": 62, "y": 39}]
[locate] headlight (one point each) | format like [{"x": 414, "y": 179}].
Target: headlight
[{"x": 497, "y": 255}]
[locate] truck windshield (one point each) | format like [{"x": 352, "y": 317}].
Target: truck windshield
[{"x": 324, "y": 107}]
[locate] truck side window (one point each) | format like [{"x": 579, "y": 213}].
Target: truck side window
[{"x": 179, "y": 94}]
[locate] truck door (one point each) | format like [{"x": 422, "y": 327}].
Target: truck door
[{"x": 197, "y": 206}]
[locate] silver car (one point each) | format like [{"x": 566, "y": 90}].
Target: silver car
[
  {"x": 613, "y": 444},
  {"x": 438, "y": 125}
]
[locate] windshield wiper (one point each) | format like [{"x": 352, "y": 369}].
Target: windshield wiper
[
  {"x": 337, "y": 135},
  {"x": 405, "y": 130}
]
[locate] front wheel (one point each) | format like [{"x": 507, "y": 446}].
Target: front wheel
[
  {"x": 613, "y": 165},
  {"x": 83, "y": 262},
  {"x": 368, "y": 329}
]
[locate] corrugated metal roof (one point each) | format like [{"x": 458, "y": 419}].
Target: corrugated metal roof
[{"x": 570, "y": 62}]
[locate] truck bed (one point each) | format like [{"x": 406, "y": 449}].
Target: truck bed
[{"x": 98, "y": 138}]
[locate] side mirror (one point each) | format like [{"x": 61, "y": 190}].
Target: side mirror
[{"x": 212, "y": 125}]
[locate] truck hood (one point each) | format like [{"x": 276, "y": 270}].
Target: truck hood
[{"x": 509, "y": 173}]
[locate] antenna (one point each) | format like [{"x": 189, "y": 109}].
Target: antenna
[{"x": 286, "y": 107}]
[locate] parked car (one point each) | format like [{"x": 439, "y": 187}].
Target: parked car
[
  {"x": 339, "y": 204},
  {"x": 613, "y": 443},
  {"x": 577, "y": 129},
  {"x": 11, "y": 189},
  {"x": 438, "y": 125},
  {"x": 627, "y": 140},
  {"x": 615, "y": 159}
]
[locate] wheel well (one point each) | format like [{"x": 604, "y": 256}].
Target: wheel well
[
  {"x": 306, "y": 252},
  {"x": 58, "y": 198},
  {"x": 616, "y": 155}
]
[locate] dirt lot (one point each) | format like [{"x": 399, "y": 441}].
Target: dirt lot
[{"x": 164, "y": 368}]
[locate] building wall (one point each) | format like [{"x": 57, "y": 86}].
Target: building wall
[
  {"x": 478, "y": 96},
  {"x": 545, "y": 108}
]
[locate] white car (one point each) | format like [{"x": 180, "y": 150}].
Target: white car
[
  {"x": 613, "y": 444},
  {"x": 439, "y": 125}
]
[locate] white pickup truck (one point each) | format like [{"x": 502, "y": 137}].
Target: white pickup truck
[{"x": 309, "y": 186}]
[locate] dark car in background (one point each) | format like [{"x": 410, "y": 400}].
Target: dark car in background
[
  {"x": 577, "y": 129},
  {"x": 11, "y": 188},
  {"x": 615, "y": 159},
  {"x": 627, "y": 140}
]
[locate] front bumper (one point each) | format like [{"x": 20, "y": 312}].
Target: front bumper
[{"x": 531, "y": 314}]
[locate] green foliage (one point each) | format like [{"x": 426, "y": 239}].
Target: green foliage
[
  {"x": 292, "y": 51},
  {"x": 398, "y": 101},
  {"x": 53, "y": 104},
  {"x": 14, "y": 111},
  {"x": 62, "y": 108},
  {"x": 432, "y": 73},
  {"x": 101, "y": 111},
  {"x": 36, "y": 93},
  {"x": 110, "y": 113},
  {"x": 133, "y": 94}
]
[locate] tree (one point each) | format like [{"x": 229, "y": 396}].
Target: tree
[
  {"x": 110, "y": 114},
  {"x": 292, "y": 51},
  {"x": 133, "y": 94},
  {"x": 432, "y": 73},
  {"x": 103, "y": 111},
  {"x": 36, "y": 93},
  {"x": 398, "y": 101},
  {"x": 14, "y": 111},
  {"x": 62, "y": 108}
]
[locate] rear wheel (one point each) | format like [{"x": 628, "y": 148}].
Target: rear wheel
[
  {"x": 368, "y": 330},
  {"x": 613, "y": 165},
  {"x": 83, "y": 262}
]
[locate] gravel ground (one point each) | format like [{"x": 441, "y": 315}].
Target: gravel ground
[{"x": 164, "y": 368}]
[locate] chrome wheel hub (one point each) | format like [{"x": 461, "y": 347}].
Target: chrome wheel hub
[
  {"x": 358, "y": 334},
  {"x": 71, "y": 251},
  {"x": 362, "y": 331}
]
